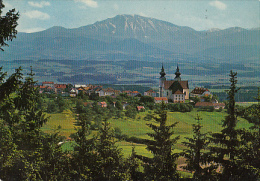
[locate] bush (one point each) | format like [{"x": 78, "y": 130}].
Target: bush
[
  {"x": 207, "y": 108},
  {"x": 130, "y": 112},
  {"x": 180, "y": 107},
  {"x": 52, "y": 107}
]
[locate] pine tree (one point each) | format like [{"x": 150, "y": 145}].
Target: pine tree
[
  {"x": 83, "y": 157},
  {"x": 250, "y": 149},
  {"x": 163, "y": 166},
  {"x": 22, "y": 120},
  {"x": 8, "y": 24},
  {"x": 111, "y": 165},
  {"x": 226, "y": 151},
  {"x": 134, "y": 165},
  {"x": 195, "y": 153}
]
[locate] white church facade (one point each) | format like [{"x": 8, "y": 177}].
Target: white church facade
[{"x": 176, "y": 90}]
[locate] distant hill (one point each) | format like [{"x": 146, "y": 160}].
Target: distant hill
[{"x": 126, "y": 37}]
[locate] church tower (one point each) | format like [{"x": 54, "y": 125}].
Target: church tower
[
  {"x": 161, "y": 82},
  {"x": 177, "y": 74}
]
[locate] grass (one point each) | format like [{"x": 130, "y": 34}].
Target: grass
[
  {"x": 245, "y": 104},
  {"x": 211, "y": 122},
  {"x": 65, "y": 120}
]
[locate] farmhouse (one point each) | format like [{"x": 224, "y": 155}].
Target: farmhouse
[
  {"x": 150, "y": 92},
  {"x": 161, "y": 99},
  {"x": 210, "y": 104},
  {"x": 176, "y": 90}
]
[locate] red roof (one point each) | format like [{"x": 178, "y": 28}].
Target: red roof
[
  {"x": 218, "y": 104},
  {"x": 87, "y": 103},
  {"x": 206, "y": 104},
  {"x": 151, "y": 91},
  {"x": 103, "y": 103},
  {"x": 161, "y": 98},
  {"x": 48, "y": 83},
  {"x": 140, "y": 107},
  {"x": 135, "y": 92},
  {"x": 60, "y": 86},
  {"x": 199, "y": 90},
  {"x": 126, "y": 91},
  {"x": 178, "y": 92}
]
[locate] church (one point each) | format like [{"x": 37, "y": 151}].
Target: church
[{"x": 176, "y": 90}]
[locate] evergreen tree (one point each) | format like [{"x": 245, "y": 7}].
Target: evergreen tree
[
  {"x": 111, "y": 165},
  {"x": 83, "y": 157},
  {"x": 227, "y": 142},
  {"x": 250, "y": 149},
  {"x": 195, "y": 155},
  {"x": 134, "y": 165},
  {"x": 163, "y": 166},
  {"x": 22, "y": 120},
  {"x": 8, "y": 24}
]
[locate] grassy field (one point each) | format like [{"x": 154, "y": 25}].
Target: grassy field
[
  {"x": 137, "y": 127},
  {"x": 65, "y": 120},
  {"x": 211, "y": 122}
]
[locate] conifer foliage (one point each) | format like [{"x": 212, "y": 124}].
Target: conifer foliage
[
  {"x": 163, "y": 166},
  {"x": 8, "y": 24},
  {"x": 196, "y": 153},
  {"x": 226, "y": 151}
]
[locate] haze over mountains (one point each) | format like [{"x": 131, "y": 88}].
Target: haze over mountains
[{"x": 133, "y": 37}]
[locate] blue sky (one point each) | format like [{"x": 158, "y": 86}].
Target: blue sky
[{"x": 38, "y": 15}]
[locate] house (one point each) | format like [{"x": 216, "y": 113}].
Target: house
[
  {"x": 219, "y": 105},
  {"x": 150, "y": 92},
  {"x": 140, "y": 108},
  {"x": 176, "y": 90},
  {"x": 108, "y": 92},
  {"x": 200, "y": 92},
  {"x": 99, "y": 91},
  {"x": 60, "y": 88},
  {"x": 102, "y": 104},
  {"x": 79, "y": 85},
  {"x": 42, "y": 88},
  {"x": 210, "y": 104},
  {"x": 134, "y": 93},
  {"x": 160, "y": 100},
  {"x": 127, "y": 92},
  {"x": 125, "y": 104},
  {"x": 48, "y": 84},
  {"x": 73, "y": 93},
  {"x": 87, "y": 104}
]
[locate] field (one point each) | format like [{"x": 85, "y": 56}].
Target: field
[{"x": 137, "y": 127}]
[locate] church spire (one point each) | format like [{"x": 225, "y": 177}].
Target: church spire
[
  {"x": 178, "y": 74},
  {"x": 162, "y": 73}
]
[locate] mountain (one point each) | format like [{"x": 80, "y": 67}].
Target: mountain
[{"x": 125, "y": 37}]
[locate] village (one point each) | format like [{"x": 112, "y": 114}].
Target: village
[{"x": 170, "y": 91}]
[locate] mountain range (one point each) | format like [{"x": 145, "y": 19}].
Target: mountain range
[{"x": 134, "y": 37}]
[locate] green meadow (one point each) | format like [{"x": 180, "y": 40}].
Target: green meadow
[{"x": 137, "y": 127}]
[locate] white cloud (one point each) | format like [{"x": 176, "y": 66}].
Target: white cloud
[
  {"x": 39, "y": 4},
  {"x": 219, "y": 5},
  {"x": 37, "y": 15},
  {"x": 90, "y": 3},
  {"x": 31, "y": 30}
]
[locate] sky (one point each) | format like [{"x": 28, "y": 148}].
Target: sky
[{"x": 38, "y": 15}]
